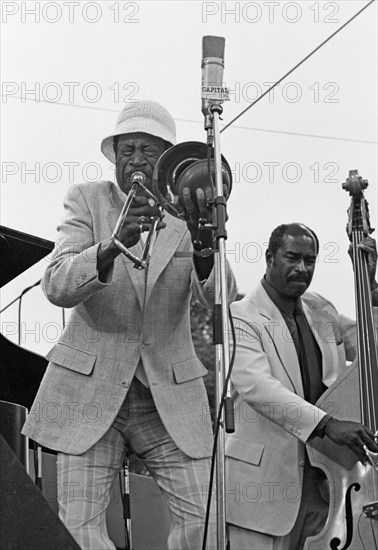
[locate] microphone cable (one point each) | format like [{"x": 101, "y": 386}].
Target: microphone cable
[
  {"x": 20, "y": 296},
  {"x": 20, "y": 307},
  {"x": 216, "y": 431}
]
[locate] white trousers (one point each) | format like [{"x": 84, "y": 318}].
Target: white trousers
[{"x": 85, "y": 481}]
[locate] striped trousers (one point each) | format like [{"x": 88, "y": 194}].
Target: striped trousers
[{"x": 85, "y": 481}]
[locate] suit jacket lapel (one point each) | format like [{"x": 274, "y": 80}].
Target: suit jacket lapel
[
  {"x": 280, "y": 338},
  {"x": 165, "y": 246}
]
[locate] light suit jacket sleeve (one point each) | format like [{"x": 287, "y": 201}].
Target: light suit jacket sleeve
[{"x": 72, "y": 276}]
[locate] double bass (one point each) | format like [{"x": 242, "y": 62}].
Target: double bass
[{"x": 352, "y": 522}]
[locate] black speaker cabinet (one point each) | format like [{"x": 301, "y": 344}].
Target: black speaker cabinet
[{"x": 27, "y": 521}]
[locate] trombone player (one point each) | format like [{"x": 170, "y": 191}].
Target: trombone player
[{"x": 124, "y": 376}]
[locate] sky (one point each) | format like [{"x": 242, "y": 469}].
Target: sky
[{"x": 67, "y": 69}]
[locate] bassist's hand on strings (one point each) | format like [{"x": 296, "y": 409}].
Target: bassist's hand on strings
[
  {"x": 352, "y": 435},
  {"x": 368, "y": 245}
]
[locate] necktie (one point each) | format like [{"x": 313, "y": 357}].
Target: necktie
[{"x": 309, "y": 355}]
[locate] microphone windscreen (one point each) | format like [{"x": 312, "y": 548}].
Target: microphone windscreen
[{"x": 213, "y": 46}]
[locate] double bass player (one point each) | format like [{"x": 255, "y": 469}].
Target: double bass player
[{"x": 291, "y": 345}]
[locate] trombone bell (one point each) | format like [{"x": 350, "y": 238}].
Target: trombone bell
[{"x": 185, "y": 165}]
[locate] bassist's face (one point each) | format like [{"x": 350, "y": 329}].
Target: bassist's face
[{"x": 291, "y": 269}]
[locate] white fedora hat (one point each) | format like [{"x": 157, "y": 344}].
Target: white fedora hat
[{"x": 143, "y": 116}]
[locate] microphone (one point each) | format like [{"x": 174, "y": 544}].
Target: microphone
[{"x": 212, "y": 65}]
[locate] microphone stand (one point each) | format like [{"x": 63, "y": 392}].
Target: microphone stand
[
  {"x": 125, "y": 489},
  {"x": 221, "y": 322}
]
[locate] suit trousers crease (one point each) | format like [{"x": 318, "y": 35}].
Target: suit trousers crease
[{"x": 85, "y": 481}]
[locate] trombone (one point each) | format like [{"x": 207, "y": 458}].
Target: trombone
[
  {"x": 184, "y": 165},
  {"x": 138, "y": 179}
]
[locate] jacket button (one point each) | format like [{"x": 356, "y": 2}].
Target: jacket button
[
  {"x": 301, "y": 463},
  {"x": 125, "y": 384}
]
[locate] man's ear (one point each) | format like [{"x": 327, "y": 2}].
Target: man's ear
[
  {"x": 268, "y": 257},
  {"x": 115, "y": 145}
]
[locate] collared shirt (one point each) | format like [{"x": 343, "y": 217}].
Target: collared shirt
[{"x": 309, "y": 354}]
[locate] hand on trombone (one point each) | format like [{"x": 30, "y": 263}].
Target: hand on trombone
[
  {"x": 140, "y": 214},
  {"x": 139, "y": 219},
  {"x": 199, "y": 207}
]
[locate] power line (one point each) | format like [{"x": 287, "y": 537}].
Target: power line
[
  {"x": 298, "y": 65},
  {"x": 285, "y": 132},
  {"x": 267, "y": 130},
  {"x": 93, "y": 107}
]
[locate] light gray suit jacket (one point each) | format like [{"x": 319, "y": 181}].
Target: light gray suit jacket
[
  {"x": 114, "y": 325},
  {"x": 266, "y": 453}
]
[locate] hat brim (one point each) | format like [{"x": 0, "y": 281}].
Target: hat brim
[{"x": 107, "y": 144}]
